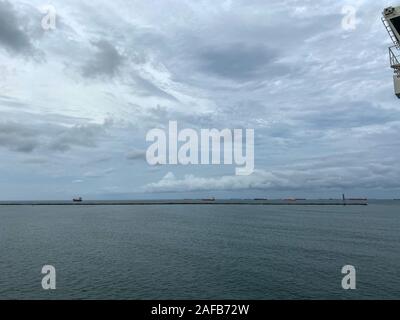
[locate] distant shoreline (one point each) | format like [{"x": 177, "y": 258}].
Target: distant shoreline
[{"x": 356, "y": 202}]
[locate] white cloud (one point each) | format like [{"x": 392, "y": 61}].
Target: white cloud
[{"x": 339, "y": 173}]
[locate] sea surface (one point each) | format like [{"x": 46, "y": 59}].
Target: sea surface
[{"x": 200, "y": 252}]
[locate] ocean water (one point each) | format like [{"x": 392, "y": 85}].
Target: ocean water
[{"x": 200, "y": 252}]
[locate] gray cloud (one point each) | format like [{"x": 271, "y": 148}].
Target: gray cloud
[
  {"x": 347, "y": 115},
  {"x": 12, "y": 36},
  {"x": 288, "y": 70},
  {"x": 98, "y": 173},
  {"x": 240, "y": 61},
  {"x": 147, "y": 88},
  {"x": 78, "y": 136},
  {"x": 26, "y": 138},
  {"x": 136, "y": 155},
  {"x": 35, "y": 161},
  {"x": 106, "y": 61},
  {"x": 18, "y": 138}
]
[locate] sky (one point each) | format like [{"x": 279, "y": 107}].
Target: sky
[{"x": 312, "y": 78}]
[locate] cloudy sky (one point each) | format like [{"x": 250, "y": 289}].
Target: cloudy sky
[{"x": 76, "y": 102}]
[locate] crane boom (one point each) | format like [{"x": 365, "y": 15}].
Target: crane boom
[{"x": 391, "y": 21}]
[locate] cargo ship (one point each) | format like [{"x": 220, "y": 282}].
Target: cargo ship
[{"x": 209, "y": 199}]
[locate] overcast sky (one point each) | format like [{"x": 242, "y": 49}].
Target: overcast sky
[{"x": 76, "y": 102}]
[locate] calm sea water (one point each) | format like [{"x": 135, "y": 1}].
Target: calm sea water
[{"x": 200, "y": 252}]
